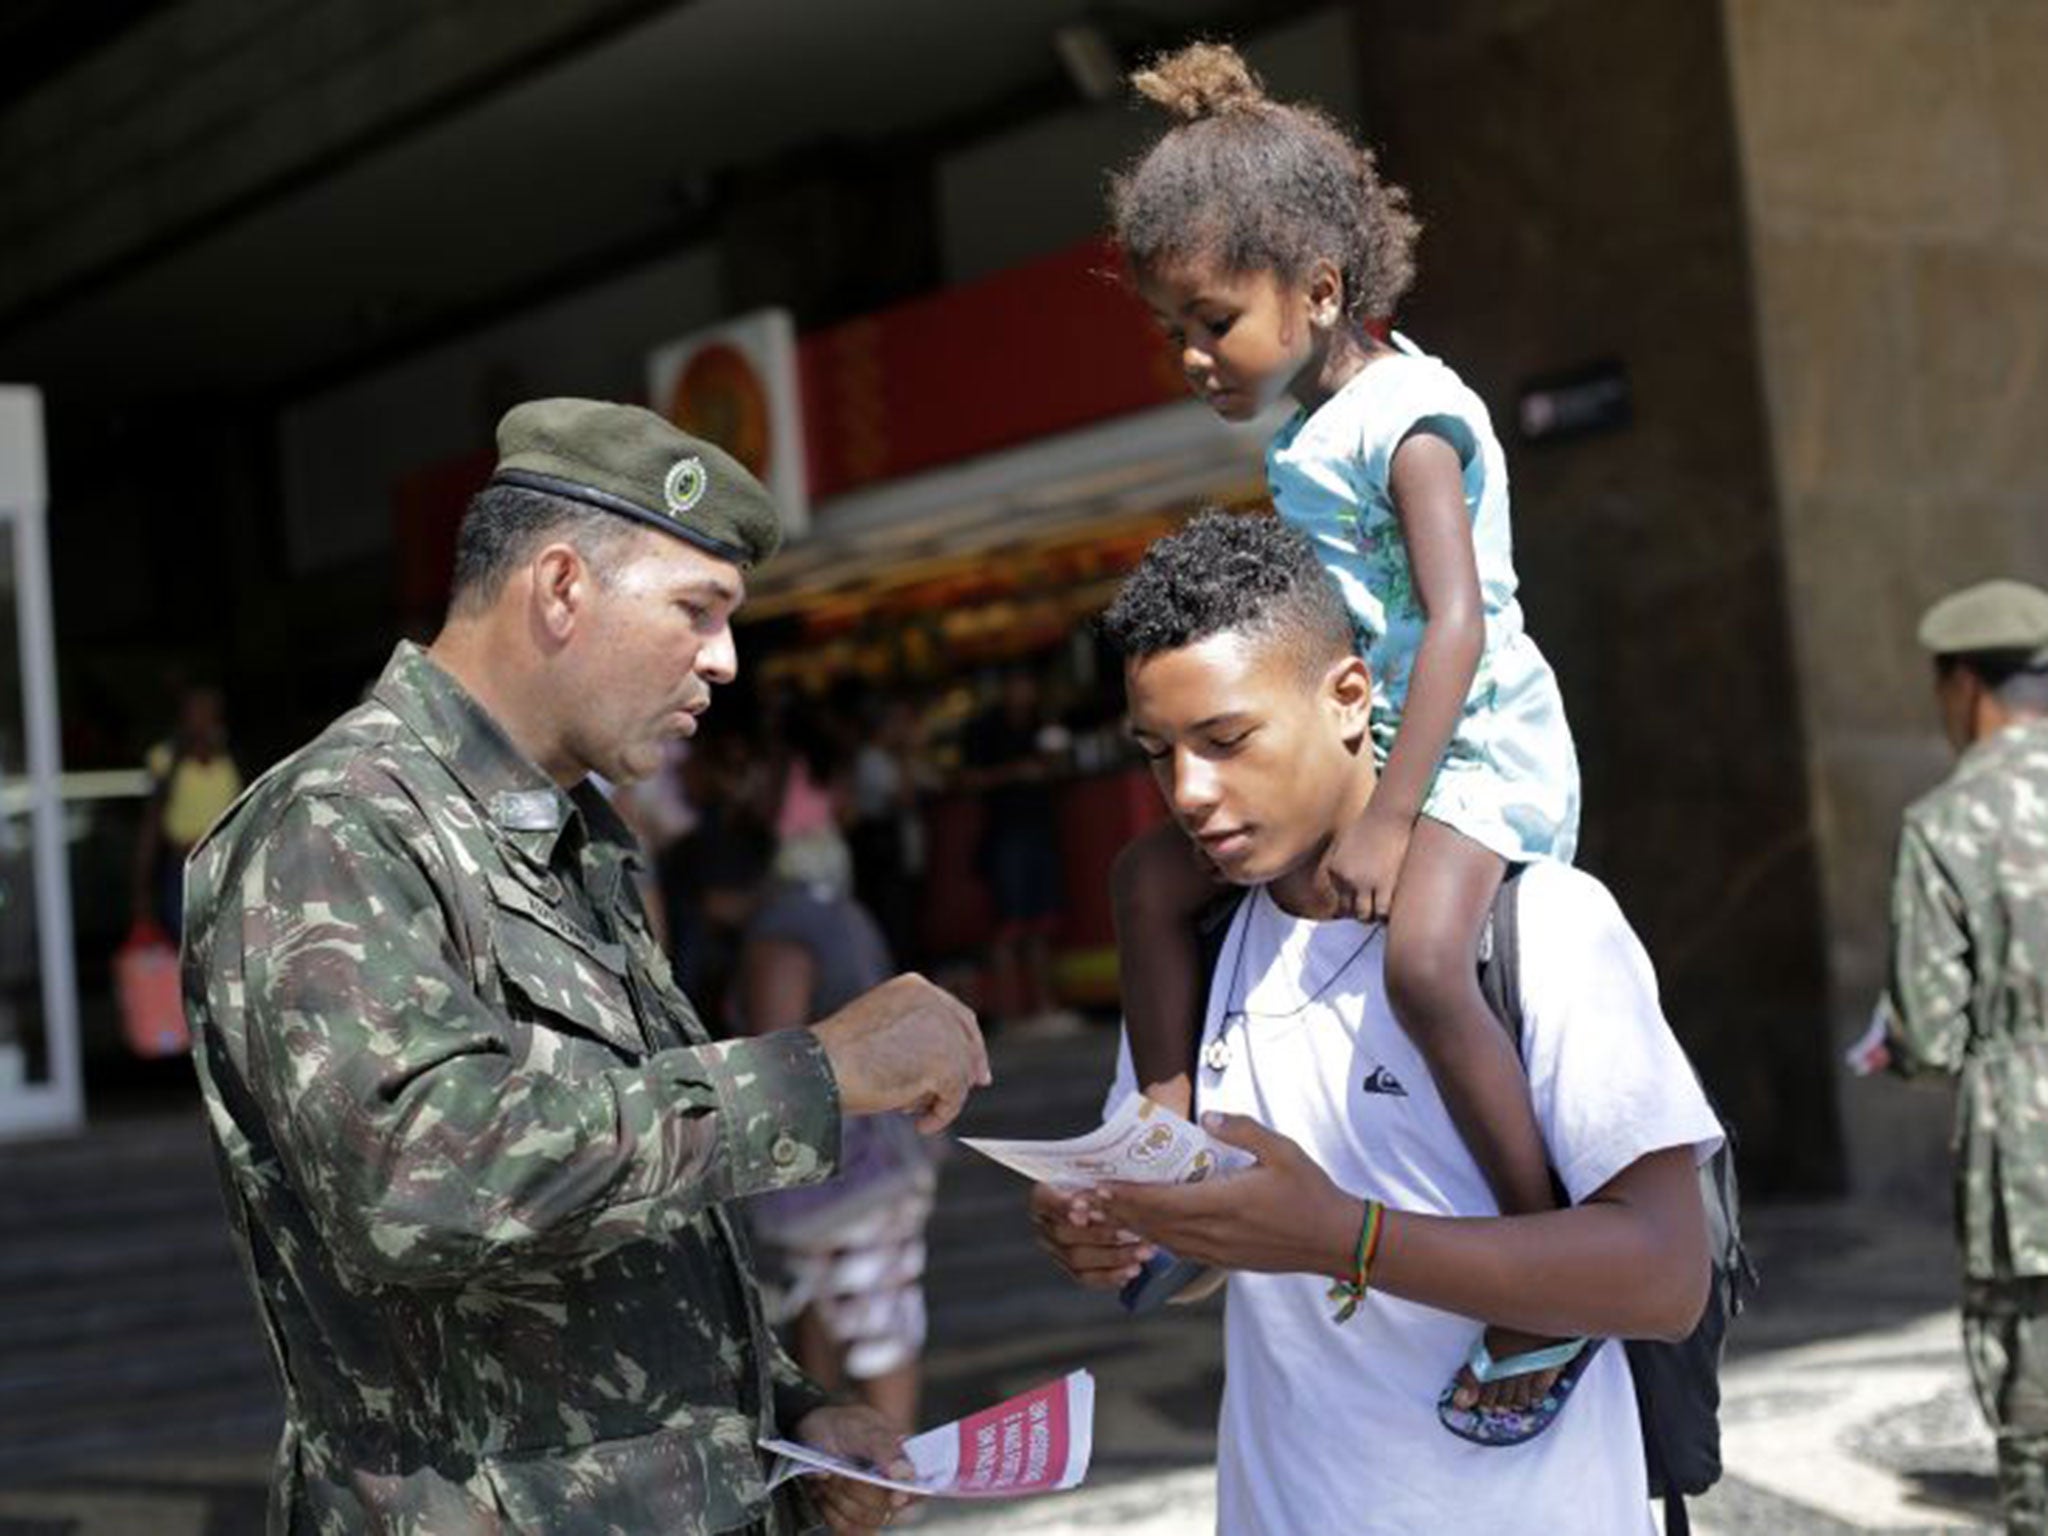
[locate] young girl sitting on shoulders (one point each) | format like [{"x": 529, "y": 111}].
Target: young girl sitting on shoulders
[{"x": 1268, "y": 247}]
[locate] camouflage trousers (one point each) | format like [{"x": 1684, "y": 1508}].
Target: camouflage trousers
[{"x": 2005, "y": 1337}]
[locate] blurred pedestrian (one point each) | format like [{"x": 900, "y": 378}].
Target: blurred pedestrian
[
  {"x": 658, "y": 812},
  {"x": 850, "y": 1251},
  {"x": 192, "y": 779},
  {"x": 1968, "y": 998},
  {"x": 890, "y": 778},
  {"x": 812, "y": 795},
  {"x": 1011, "y": 754},
  {"x": 695, "y": 872},
  {"x": 479, "y": 1154}
]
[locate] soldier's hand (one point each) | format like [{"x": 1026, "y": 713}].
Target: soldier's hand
[
  {"x": 859, "y": 1435},
  {"x": 907, "y": 1045}
]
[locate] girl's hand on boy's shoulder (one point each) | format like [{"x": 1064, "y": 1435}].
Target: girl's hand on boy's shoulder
[{"x": 1365, "y": 864}]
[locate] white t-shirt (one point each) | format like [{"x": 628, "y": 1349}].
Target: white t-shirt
[{"x": 1329, "y": 1428}]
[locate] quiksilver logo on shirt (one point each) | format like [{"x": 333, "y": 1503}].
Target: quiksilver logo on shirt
[{"x": 1380, "y": 1080}]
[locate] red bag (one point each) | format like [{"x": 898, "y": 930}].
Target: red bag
[{"x": 146, "y": 983}]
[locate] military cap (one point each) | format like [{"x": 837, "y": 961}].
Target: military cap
[
  {"x": 1991, "y": 616},
  {"x": 627, "y": 460}
]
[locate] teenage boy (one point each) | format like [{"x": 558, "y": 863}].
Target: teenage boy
[{"x": 1246, "y": 695}]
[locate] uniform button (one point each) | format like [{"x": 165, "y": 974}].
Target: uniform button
[{"x": 785, "y": 1151}]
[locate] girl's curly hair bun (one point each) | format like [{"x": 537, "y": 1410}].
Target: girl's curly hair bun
[
  {"x": 1200, "y": 80},
  {"x": 1259, "y": 185}
]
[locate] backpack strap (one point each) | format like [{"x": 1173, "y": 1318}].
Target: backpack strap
[
  {"x": 1212, "y": 927},
  {"x": 1500, "y": 954}
]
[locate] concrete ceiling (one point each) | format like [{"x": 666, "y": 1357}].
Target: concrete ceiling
[{"x": 603, "y": 157}]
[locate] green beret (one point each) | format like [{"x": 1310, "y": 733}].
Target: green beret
[
  {"x": 1991, "y": 616},
  {"x": 628, "y": 460}
]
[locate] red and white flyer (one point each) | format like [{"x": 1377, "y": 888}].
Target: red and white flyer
[{"x": 1036, "y": 1442}]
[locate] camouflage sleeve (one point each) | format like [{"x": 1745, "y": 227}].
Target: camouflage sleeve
[
  {"x": 427, "y": 1147},
  {"x": 796, "y": 1394},
  {"x": 1928, "y": 996}
]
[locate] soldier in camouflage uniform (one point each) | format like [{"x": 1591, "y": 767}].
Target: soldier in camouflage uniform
[
  {"x": 476, "y": 1147},
  {"x": 1968, "y": 999}
]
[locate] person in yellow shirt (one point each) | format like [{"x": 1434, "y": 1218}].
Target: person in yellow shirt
[{"x": 193, "y": 778}]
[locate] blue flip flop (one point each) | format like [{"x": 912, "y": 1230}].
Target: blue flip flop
[{"x": 1515, "y": 1426}]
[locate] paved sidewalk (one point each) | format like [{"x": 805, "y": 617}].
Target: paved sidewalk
[
  {"x": 1873, "y": 1433},
  {"x": 1846, "y": 1406},
  {"x": 135, "y": 1399}
]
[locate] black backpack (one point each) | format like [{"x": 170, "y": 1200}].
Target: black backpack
[{"x": 1678, "y": 1386}]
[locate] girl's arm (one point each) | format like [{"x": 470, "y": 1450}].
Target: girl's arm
[{"x": 1428, "y": 489}]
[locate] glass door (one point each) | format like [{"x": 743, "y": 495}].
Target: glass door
[{"x": 40, "y": 1089}]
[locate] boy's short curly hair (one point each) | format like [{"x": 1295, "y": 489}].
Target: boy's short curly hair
[
  {"x": 1227, "y": 571},
  {"x": 1259, "y": 185}
]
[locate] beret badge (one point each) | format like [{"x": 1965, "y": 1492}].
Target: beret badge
[{"x": 685, "y": 484}]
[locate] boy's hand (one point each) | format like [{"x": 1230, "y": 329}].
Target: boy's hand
[
  {"x": 1281, "y": 1216},
  {"x": 1072, "y": 1228},
  {"x": 1365, "y": 864}
]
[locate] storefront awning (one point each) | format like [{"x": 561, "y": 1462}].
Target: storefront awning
[{"x": 1172, "y": 457}]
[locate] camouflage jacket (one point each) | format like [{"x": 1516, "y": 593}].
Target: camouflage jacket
[
  {"x": 476, "y": 1146},
  {"x": 1968, "y": 994}
]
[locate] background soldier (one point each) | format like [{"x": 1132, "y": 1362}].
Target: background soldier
[
  {"x": 1969, "y": 998},
  {"x": 477, "y": 1148}
]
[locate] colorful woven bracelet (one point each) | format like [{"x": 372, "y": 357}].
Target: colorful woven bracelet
[{"x": 1347, "y": 1294}]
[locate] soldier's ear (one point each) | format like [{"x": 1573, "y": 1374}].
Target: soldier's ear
[
  {"x": 561, "y": 589},
  {"x": 1959, "y": 694}
]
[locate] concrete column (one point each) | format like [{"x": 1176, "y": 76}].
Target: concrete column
[
  {"x": 1574, "y": 162},
  {"x": 1896, "y": 173}
]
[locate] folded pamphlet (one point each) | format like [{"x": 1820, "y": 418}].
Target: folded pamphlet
[
  {"x": 1140, "y": 1143},
  {"x": 1036, "y": 1442}
]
